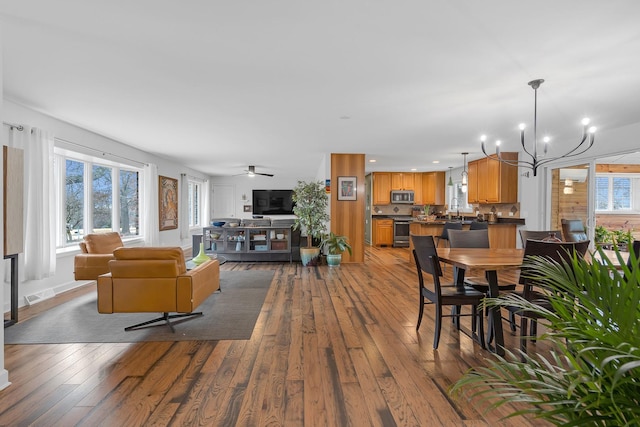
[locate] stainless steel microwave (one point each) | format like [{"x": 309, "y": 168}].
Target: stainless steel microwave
[{"x": 404, "y": 196}]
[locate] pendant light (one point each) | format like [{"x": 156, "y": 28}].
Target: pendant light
[
  {"x": 465, "y": 175},
  {"x": 450, "y": 183}
]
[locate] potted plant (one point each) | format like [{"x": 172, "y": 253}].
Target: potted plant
[
  {"x": 310, "y": 208},
  {"x": 334, "y": 246},
  {"x": 591, "y": 375}
]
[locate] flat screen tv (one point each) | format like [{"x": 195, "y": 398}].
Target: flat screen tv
[{"x": 272, "y": 202}]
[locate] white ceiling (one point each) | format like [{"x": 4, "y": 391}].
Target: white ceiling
[{"x": 219, "y": 85}]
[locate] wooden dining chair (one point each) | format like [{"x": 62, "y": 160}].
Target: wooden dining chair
[
  {"x": 555, "y": 252},
  {"x": 537, "y": 235},
  {"x": 426, "y": 258}
]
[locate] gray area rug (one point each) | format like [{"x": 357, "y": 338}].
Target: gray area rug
[{"x": 228, "y": 315}]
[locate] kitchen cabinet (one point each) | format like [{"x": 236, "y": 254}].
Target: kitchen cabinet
[
  {"x": 418, "y": 193},
  {"x": 402, "y": 181},
  {"x": 383, "y": 232},
  {"x": 433, "y": 188},
  {"x": 381, "y": 184},
  {"x": 492, "y": 181},
  {"x": 472, "y": 180}
]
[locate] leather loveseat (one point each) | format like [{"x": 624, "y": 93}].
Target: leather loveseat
[
  {"x": 96, "y": 252},
  {"x": 155, "y": 279}
]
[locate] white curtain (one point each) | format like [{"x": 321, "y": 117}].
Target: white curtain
[
  {"x": 206, "y": 205},
  {"x": 183, "y": 215},
  {"x": 39, "y": 202},
  {"x": 150, "y": 206}
]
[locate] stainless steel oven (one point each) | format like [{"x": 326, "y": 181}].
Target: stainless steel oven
[{"x": 401, "y": 232}]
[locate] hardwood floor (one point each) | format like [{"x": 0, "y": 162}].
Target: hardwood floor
[{"x": 331, "y": 347}]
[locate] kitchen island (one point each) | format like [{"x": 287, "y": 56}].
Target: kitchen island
[{"x": 502, "y": 234}]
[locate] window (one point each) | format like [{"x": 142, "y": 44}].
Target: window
[
  {"x": 195, "y": 203},
  {"x": 614, "y": 193},
  {"x": 457, "y": 199},
  {"x": 98, "y": 196}
]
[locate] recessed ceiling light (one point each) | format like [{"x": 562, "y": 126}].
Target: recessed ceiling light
[
  {"x": 414, "y": 169},
  {"x": 372, "y": 160},
  {"x": 345, "y": 117},
  {"x": 436, "y": 161}
]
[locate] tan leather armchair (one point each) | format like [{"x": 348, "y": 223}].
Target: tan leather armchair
[
  {"x": 155, "y": 280},
  {"x": 97, "y": 251}
]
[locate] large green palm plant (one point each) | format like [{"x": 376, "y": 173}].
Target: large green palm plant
[{"x": 592, "y": 377}]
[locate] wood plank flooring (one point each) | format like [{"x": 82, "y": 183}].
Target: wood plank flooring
[{"x": 331, "y": 347}]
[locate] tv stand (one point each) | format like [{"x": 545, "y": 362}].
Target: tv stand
[{"x": 248, "y": 242}]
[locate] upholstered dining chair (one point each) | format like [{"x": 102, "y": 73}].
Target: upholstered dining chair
[
  {"x": 449, "y": 225},
  {"x": 479, "y": 225},
  {"x": 573, "y": 230},
  {"x": 555, "y": 252},
  {"x": 426, "y": 258},
  {"x": 537, "y": 235}
]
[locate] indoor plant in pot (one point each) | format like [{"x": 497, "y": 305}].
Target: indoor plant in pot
[
  {"x": 335, "y": 245},
  {"x": 310, "y": 208}
]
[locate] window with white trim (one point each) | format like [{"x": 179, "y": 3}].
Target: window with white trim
[
  {"x": 615, "y": 193},
  {"x": 95, "y": 196}
]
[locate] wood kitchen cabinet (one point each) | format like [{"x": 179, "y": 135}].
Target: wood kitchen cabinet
[
  {"x": 492, "y": 181},
  {"x": 418, "y": 193},
  {"x": 382, "y": 232},
  {"x": 381, "y": 184},
  {"x": 433, "y": 186},
  {"x": 402, "y": 181}
]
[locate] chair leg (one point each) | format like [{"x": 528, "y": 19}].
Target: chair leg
[
  {"x": 165, "y": 318},
  {"x": 457, "y": 313},
  {"x": 436, "y": 336},
  {"x": 534, "y": 330},
  {"x": 523, "y": 333},
  {"x": 420, "y": 312},
  {"x": 512, "y": 321},
  {"x": 480, "y": 320}
]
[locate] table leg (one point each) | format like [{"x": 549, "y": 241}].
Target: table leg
[{"x": 495, "y": 319}]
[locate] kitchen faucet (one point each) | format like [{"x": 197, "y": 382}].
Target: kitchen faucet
[{"x": 456, "y": 202}]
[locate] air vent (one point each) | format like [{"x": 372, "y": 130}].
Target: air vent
[{"x": 39, "y": 296}]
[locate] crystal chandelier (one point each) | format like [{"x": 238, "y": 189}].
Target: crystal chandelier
[{"x": 588, "y": 136}]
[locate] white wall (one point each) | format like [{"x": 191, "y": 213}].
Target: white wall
[
  {"x": 4, "y": 375},
  {"x": 244, "y": 185},
  {"x": 63, "y": 279}
]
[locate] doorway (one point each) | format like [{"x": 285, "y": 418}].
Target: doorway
[{"x": 570, "y": 196}]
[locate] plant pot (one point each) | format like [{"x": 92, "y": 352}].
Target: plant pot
[
  {"x": 309, "y": 256},
  {"x": 334, "y": 260}
]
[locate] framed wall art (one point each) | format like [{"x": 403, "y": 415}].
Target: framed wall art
[
  {"x": 347, "y": 187},
  {"x": 168, "y": 201}
]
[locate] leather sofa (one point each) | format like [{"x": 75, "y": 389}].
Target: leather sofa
[
  {"x": 155, "y": 279},
  {"x": 96, "y": 252}
]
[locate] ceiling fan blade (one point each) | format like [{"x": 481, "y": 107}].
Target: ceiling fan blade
[{"x": 264, "y": 174}]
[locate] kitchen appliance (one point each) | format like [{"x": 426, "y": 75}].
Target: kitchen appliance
[
  {"x": 402, "y": 196},
  {"x": 401, "y": 230}
]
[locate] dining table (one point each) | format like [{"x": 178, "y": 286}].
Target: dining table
[{"x": 490, "y": 260}]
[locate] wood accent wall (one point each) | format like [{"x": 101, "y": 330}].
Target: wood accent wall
[
  {"x": 615, "y": 168},
  {"x": 347, "y": 216},
  {"x": 567, "y": 206}
]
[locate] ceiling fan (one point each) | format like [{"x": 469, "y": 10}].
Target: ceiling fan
[{"x": 252, "y": 172}]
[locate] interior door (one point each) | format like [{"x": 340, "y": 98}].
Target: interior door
[
  {"x": 571, "y": 196},
  {"x": 223, "y": 205}
]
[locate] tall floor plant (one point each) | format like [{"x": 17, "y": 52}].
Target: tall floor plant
[{"x": 592, "y": 377}]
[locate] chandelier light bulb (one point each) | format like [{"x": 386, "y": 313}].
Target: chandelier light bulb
[
  {"x": 592, "y": 129},
  {"x": 522, "y": 126},
  {"x": 483, "y": 138},
  {"x": 586, "y": 121}
]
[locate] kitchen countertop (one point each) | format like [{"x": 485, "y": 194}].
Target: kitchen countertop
[{"x": 466, "y": 220}]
